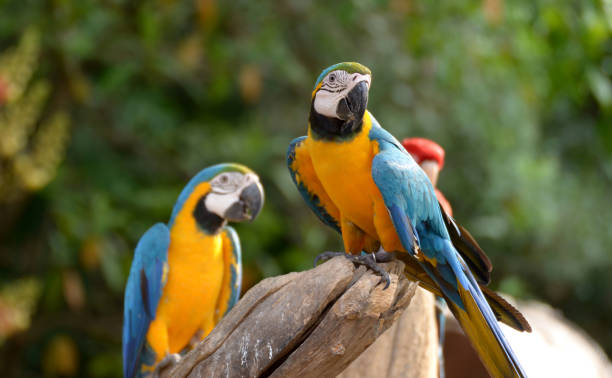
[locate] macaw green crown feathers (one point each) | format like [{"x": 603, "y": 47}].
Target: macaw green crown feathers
[
  {"x": 350, "y": 67},
  {"x": 204, "y": 175}
]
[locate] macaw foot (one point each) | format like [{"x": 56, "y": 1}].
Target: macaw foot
[
  {"x": 166, "y": 363},
  {"x": 369, "y": 260}
]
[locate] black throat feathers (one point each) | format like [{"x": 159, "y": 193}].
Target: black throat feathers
[
  {"x": 333, "y": 128},
  {"x": 209, "y": 222}
]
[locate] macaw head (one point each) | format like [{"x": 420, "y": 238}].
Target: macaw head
[
  {"x": 428, "y": 154},
  {"x": 339, "y": 99},
  {"x": 221, "y": 193}
]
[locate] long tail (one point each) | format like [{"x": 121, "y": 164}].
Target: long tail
[
  {"x": 469, "y": 305},
  {"x": 479, "y": 323},
  {"x": 503, "y": 311}
]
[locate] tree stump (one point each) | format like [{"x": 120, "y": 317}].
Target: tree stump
[
  {"x": 307, "y": 324},
  {"x": 409, "y": 349}
]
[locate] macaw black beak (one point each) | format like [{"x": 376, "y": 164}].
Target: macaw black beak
[
  {"x": 353, "y": 106},
  {"x": 248, "y": 206}
]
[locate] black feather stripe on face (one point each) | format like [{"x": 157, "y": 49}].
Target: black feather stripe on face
[
  {"x": 209, "y": 222},
  {"x": 333, "y": 128}
]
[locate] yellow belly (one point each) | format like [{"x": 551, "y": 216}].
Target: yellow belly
[
  {"x": 189, "y": 299},
  {"x": 344, "y": 170}
]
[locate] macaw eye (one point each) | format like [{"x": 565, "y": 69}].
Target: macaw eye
[
  {"x": 332, "y": 78},
  {"x": 224, "y": 179}
]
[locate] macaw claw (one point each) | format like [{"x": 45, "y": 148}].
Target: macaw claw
[{"x": 369, "y": 260}]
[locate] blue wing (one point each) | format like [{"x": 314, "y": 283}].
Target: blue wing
[
  {"x": 142, "y": 293},
  {"x": 232, "y": 281},
  {"x": 309, "y": 186},
  {"x": 407, "y": 191},
  {"x": 416, "y": 217}
]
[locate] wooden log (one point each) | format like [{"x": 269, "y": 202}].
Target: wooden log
[
  {"x": 307, "y": 324},
  {"x": 409, "y": 349}
]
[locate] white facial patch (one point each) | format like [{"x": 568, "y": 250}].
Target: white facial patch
[
  {"x": 226, "y": 189},
  {"x": 336, "y": 85},
  {"x": 326, "y": 103},
  {"x": 218, "y": 203}
]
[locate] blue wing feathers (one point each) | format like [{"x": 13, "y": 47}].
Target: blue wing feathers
[
  {"x": 235, "y": 269},
  {"x": 142, "y": 293},
  {"x": 156, "y": 282},
  {"x": 311, "y": 199},
  {"x": 403, "y": 183},
  {"x": 415, "y": 213},
  {"x": 404, "y": 228}
]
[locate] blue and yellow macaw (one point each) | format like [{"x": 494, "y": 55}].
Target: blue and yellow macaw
[
  {"x": 359, "y": 180},
  {"x": 186, "y": 275}
]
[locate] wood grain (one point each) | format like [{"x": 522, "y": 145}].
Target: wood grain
[{"x": 307, "y": 324}]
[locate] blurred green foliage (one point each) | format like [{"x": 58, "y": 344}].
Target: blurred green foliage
[{"x": 519, "y": 94}]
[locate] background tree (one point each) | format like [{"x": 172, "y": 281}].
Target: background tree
[{"x": 518, "y": 93}]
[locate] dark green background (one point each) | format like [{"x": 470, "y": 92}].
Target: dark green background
[{"x": 518, "y": 93}]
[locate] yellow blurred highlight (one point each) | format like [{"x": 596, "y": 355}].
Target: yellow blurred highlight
[
  {"x": 18, "y": 64},
  {"x": 190, "y": 51},
  {"x": 19, "y": 119},
  {"x": 38, "y": 167},
  {"x": 89, "y": 255},
  {"x": 250, "y": 83},
  {"x": 17, "y": 303},
  {"x": 31, "y": 149},
  {"x": 61, "y": 357}
]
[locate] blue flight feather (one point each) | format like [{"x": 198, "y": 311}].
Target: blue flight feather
[
  {"x": 235, "y": 268},
  {"x": 404, "y": 228},
  {"x": 311, "y": 199},
  {"x": 410, "y": 198},
  {"x": 142, "y": 296}
]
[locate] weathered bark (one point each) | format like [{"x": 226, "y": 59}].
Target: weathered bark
[
  {"x": 307, "y": 324},
  {"x": 409, "y": 349}
]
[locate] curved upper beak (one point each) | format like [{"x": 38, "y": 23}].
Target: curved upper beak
[
  {"x": 353, "y": 106},
  {"x": 250, "y": 202}
]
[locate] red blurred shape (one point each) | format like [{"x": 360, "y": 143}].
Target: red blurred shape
[{"x": 424, "y": 149}]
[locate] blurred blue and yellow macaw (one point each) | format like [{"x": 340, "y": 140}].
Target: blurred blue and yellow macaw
[
  {"x": 187, "y": 274},
  {"x": 361, "y": 181}
]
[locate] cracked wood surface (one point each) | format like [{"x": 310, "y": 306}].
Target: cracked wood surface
[
  {"x": 409, "y": 349},
  {"x": 306, "y": 324}
]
